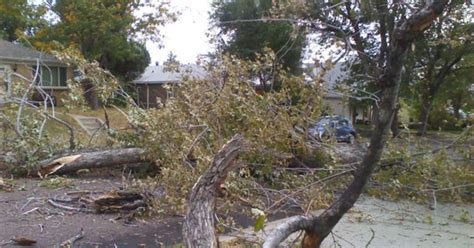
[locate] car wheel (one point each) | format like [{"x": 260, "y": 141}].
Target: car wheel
[{"x": 326, "y": 138}]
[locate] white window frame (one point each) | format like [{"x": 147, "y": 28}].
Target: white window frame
[{"x": 53, "y": 69}]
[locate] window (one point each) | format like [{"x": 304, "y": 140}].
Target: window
[
  {"x": 2, "y": 71},
  {"x": 52, "y": 76},
  {"x": 4, "y": 74}
]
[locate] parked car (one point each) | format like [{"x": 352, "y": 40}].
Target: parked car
[{"x": 337, "y": 127}]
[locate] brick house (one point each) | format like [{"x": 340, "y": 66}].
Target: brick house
[
  {"x": 335, "y": 101},
  {"x": 150, "y": 86},
  {"x": 20, "y": 65}
]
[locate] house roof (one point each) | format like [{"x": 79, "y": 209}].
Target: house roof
[
  {"x": 16, "y": 52},
  {"x": 158, "y": 74}
]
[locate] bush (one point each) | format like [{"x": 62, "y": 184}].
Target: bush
[{"x": 440, "y": 119}]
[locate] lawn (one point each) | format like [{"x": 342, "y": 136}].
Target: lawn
[
  {"x": 118, "y": 120},
  {"x": 60, "y": 134}
]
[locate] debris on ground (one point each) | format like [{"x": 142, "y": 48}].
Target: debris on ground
[
  {"x": 23, "y": 241},
  {"x": 5, "y": 186},
  {"x": 100, "y": 202}
]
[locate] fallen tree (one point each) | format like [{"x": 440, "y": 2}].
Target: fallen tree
[{"x": 90, "y": 160}]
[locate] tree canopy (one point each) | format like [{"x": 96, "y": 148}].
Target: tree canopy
[
  {"x": 248, "y": 39},
  {"x": 17, "y": 17},
  {"x": 436, "y": 56},
  {"x": 110, "y": 32}
]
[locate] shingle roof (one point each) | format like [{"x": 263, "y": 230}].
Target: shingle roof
[
  {"x": 17, "y": 52},
  {"x": 158, "y": 74}
]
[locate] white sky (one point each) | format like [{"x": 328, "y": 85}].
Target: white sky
[{"x": 186, "y": 38}]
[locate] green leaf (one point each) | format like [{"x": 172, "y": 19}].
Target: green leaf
[{"x": 260, "y": 222}]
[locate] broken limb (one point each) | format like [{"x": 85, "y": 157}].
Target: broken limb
[
  {"x": 91, "y": 160},
  {"x": 198, "y": 227},
  {"x": 68, "y": 208},
  {"x": 69, "y": 243}
]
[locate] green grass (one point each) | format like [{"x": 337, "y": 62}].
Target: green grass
[
  {"x": 117, "y": 120},
  {"x": 59, "y": 134}
]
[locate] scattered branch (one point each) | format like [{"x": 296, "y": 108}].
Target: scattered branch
[{"x": 70, "y": 242}]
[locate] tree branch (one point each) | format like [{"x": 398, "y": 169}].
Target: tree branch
[
  {"x": 198, "y": 227},
  {"x": 403, "y": 37}
]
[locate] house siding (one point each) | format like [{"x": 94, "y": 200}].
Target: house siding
[
  {"x": 148, "y": 95},
  {"x": 26, "y": 72}
]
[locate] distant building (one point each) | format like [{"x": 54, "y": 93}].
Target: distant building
[
  {"x": 336, "y": 100},
  {"x": 20, "y": 65},
  {"x": 150, "y": 87}
]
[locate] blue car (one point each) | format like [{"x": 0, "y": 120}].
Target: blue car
[{"x": 330, "y": 127}]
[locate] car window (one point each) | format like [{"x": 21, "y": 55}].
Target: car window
[{"x": 323, "y": 122}]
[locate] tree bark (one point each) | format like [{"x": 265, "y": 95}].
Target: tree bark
[
  {"x": 426, "y": 106},
  {"x": 99, "y": 159},
  {"x": 90, "y": 94},
  {"x": 433, "y": 88},
  {"x": 317, "y": 228},
  {"x": 395, "y": 123},
  {"x": 198, "y": 227},
  {"x": 375, "y": 113}
]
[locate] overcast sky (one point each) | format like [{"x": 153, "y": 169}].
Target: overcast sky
[{"x": 186, "y": 38}]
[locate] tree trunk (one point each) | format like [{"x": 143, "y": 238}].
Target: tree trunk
[
  {"x": 90, "y": 94},
  {"x": 375, "y": 113},
  {"x": 99, "y": 159},
  {"x": 424, "y": 115},
  {"x": 395, "y": 123},
  {"x": 198, "y": 227},
  {"x": 456, "y": 109},
  {"x": 433, "y": 90},
  {"x": 317, "y": 228}
]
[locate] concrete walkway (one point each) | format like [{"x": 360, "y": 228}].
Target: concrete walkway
[
  {"x": 89, "y": 124},
  {"x": 377, "y": 223}
]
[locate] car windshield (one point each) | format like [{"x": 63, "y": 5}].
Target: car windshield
[
  {"x": 324, "y": 122},
  {"x": 333, "y": 121}
]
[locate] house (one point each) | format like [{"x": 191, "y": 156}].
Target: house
[
  {"x": 336, "y": 100},
  {"x": 150, "y": 87},
  {"x": 22, "y": 65}
]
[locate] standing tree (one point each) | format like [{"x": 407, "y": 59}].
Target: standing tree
[
  {"x": 406, "y": 30},
  {"x": 438, "y": 55},
  {"x": 248, "y": 39},
  {"x": 18, "y": 16},
  {"x": 110, "y": 32},
  {"x": 390, "y": 65},
  {"x": 457, "y": 95},
  {"x": 171, "y": 63},
  {"x": 366, "y": 29}
]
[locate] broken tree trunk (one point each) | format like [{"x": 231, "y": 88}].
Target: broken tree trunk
[
  {"x": 90, "y": 160},
  {"x": 198, "y": 227},
  {"x": 317, "y": 228}
]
